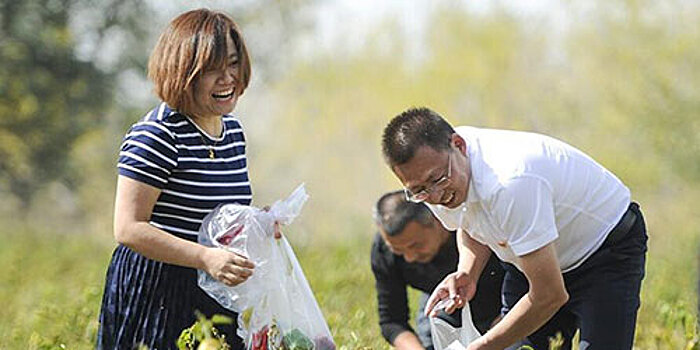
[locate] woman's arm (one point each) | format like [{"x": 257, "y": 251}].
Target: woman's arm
[{"x": 133, "y": 208}]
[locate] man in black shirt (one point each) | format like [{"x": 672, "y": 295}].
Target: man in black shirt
[{"x": 413, "y": 249}]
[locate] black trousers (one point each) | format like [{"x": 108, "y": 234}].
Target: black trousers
[{"x": 603, "y": 294}]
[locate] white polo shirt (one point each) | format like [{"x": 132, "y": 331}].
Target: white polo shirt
[{"x": 527, "y": 190}]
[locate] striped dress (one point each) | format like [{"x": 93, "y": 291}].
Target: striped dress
[{"x": 149, "y": 302}]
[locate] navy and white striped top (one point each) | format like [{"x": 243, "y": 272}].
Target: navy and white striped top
[{"x": 165, "y": 149}]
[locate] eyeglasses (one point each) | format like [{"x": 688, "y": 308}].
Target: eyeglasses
[{"x": 439, "y": 184}]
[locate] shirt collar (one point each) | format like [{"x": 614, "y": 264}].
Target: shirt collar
[
  {"x": 482, "y": 180},
  {"x": 471, "y": 193}
]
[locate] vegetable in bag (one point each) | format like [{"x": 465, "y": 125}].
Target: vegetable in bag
[{"x": 275, "y": 305}]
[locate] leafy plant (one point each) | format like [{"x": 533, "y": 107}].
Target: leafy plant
[
  {"x": 202, "y": 335},
  {"x": 677, "y": 316}
]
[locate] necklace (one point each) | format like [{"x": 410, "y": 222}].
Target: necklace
[{"x": 210, "y": 146}]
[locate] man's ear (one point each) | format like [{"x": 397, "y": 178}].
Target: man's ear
[
  {"x": 458, "y": 142},
  {"x": 384, "y": 236}
]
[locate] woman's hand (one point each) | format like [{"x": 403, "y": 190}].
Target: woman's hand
[
  {"x": 227, "y": 267},
  {"x": 278, "y": 232}
]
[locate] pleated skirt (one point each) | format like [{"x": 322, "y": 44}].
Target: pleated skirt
[{"x": 149, "y": 303}]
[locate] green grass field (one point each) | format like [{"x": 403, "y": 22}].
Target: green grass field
[{"x": 51, "y": 285}]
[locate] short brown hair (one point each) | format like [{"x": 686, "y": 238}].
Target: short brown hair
[
  {"x": 193, "y": 43},
  {"x": 412, "y": 129}
]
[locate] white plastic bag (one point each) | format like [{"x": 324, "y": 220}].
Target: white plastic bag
[
  {"x": 276, "y": 306},
  {"x": 447, "y": 337}
]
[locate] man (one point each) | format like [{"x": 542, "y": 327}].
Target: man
[
  {"x": 576, "y": 243},
  {"x": 413, "y": 249}
]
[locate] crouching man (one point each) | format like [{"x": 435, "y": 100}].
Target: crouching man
[{"x": 413, "y": 249}]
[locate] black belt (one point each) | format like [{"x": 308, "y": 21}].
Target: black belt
[{"x": 623, "y": 226}]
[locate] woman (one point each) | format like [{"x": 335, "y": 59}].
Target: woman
[{"x": 176, "y": 164}]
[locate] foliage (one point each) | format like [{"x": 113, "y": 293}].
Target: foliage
[
  {"x": 50, "y": 289},
  {"x": 51, "y": 293},
  {"x": 49, "y": 96},
  {"x": 642, "y": 67},
  {"x": 677, "y": 316},
  {"x": 203, "y": 335},
  {"x": 67, "y": 69},
  {"x": 592, "y": 84}
]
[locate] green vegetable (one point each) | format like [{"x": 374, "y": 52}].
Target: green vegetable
[{"x": 296, "y": 340}]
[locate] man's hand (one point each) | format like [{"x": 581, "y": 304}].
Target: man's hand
[{"x": 457, "y": 288}]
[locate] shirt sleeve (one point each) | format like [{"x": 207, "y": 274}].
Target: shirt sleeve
[
  {"x": 392, "y": 299},
  {"x": 524, "y": 211},
  {"x": 148, "y": 154}
]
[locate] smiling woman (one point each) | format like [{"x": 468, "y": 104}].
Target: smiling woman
[
  {"x": 197, "y": 49},
  {"x": 200, "y": 67},
  {"x": 176, "y": 164}
]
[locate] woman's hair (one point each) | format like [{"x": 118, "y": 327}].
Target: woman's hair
[
  {"x": 412, "y": 129},
  {"x": 193, "y": 43}
]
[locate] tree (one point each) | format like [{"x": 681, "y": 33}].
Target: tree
[
  {"x": 49, "y": 96},
  {"x": 63, "y": 62}
]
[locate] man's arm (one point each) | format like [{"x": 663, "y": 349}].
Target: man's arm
[
  {"x": 473, "y": 255},
  {"x": 546, "y": 295},
  {"x": 407, "y": 340},
  {"x": 392, "y": 300},
  {"x": 460, "y": 286}
]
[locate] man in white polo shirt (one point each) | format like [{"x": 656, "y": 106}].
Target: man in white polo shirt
[{"x": 574, "y": 242}]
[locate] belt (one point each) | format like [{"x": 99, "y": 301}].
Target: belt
[{"x": 623, "y": 226}]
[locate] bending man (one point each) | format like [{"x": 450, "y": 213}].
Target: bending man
[{"x": 576, "y": 242}]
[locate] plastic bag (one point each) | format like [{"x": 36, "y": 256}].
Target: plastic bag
[
  {"x": 276, "y": 307},
  {"x": 452, "y": 337}
]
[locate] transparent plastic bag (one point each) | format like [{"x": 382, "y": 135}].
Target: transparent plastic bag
[
  {"x": 448, "y": 337},
  {"x": 276, "y": 307}
]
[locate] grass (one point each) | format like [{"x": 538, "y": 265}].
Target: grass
[
  {"x": 51, "y": 287},
  {"x": 50, "y": 290}
]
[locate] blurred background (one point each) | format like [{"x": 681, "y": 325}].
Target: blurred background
[{"x": 618, "y": 79}]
